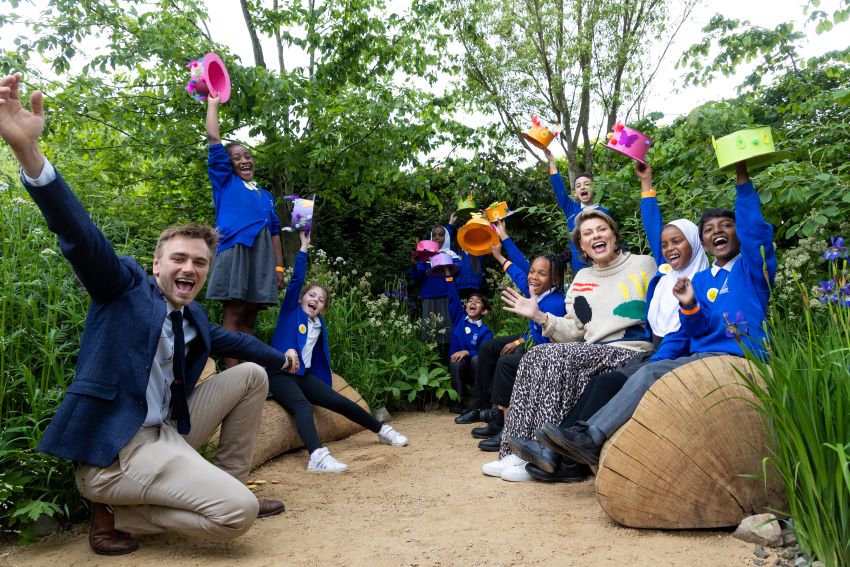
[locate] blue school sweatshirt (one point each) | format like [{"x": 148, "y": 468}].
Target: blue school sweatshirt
[
  {"x": 292, "y": 325},
  {"x": 242, "y": 209},
  {"x": 571, "y": 209},
  {"x": 466, "y": 334},
  {"x": 553, "y": 303},
  {"x": 730, "y": 302}
]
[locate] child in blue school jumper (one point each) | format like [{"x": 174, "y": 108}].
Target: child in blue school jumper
[
  {"x": 434, "y": 292},
  {"x": 468, "y": 333},
  {"x": 498, "y": 359},
  {"x": 583, "y": 192},
  {"x": 248, "y": 270},
  {"x": 721, "y": 309},
  {"x": 300, "y": 327}
]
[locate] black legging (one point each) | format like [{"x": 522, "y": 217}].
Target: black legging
[
  {"x": 298, "y": 395},
  {"x": 488, "y": 359}
]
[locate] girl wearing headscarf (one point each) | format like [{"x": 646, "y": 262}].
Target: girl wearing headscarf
[{"x": 434, "y": 293}]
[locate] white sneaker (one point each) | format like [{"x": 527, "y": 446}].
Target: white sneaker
[
  {"x": 321, "y": 460},
  {"x": 517, "y": 473},
  {"x": 495, "y": 468},
  {"x": 390, "y": 436}
]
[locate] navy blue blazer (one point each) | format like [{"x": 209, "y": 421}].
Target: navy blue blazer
[{"x": 105, "y": 404}]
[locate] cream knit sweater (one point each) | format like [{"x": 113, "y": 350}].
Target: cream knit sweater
[{"x": 602, "y": 303}]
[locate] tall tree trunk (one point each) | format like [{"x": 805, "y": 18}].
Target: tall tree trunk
[
  {"x": 259, "y": 60},
  {"x": 278, "y": 43}
]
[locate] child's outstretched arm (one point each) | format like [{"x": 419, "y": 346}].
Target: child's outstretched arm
[
  {"x": 559, "y": 188},
  {"x": 213, "y": 131},
  {"x": 754, "y": 233},
  {"x": 456, "y": 310},
  {"x": 650, "y": 213},
  {"x": 296, "y": 282},
  {"x": 514, "y": 253}
]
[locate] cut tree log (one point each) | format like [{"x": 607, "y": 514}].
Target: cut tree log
[
  {"x": 277, "y": 432},
  {"x": 682, "y": 460}
]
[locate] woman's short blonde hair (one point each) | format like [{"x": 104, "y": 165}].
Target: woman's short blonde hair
[{"x": 586, "y": 215}]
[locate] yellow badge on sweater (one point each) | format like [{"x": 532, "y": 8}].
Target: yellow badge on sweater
[
  {"x": 712, "y": 294},
  {"x": 302, "y": 328}
]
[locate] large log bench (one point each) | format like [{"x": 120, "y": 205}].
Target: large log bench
[
  {"x": 277, "y": 432},
  {"x": 691, "y": 455}
]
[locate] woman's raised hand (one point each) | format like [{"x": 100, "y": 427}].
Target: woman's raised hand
[
  {"x": 305, "y": 240},
  {"x": 496, "y": 251}
]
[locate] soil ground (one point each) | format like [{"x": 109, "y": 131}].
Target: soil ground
[{"x": 421, "y": 505}]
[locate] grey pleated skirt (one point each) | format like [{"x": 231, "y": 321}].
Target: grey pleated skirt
[
  {"x": 436, "y": 321},
  {"x": 246, "y": 273}
]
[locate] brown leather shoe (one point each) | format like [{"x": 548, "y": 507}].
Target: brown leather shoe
[
  {"x": 269, "y": 508},
  {"x": 104, "y": 539}
]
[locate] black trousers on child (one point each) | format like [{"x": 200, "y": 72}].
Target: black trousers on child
[
  {"x": 298, "y": 395},
  {"x": 463, "y": 372},
  {"x": 488, "y": 361}
]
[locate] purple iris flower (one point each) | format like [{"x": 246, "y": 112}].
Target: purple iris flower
[
  {"x": 735, "y": 329},
  {"x": 836, "y": 249}
]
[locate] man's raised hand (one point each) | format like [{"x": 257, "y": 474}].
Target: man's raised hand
[{"x": 19, "y": 127}]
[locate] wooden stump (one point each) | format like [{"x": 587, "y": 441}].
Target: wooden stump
[
  {"x": 277, "y": 432},
  {"x": 678, "y": 462}
]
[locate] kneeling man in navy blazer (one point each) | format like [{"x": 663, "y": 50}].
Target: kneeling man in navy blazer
[{"x": 135, "y": 412}]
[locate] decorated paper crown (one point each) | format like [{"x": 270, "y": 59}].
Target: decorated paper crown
[
  {"x": 629, "y": 142},
  {"x": 539, "y": 135},
  {"x": 465, "y": 204},
  {"x": 441, "y": 261},
  {"x": 497, "y": 211},
  {"x": 753, "y": 145},
  {"x": 476, "y": 236},
  {"x": 426, "y": 248},
  {"x": 208, "y": 77},
  {"x": 302, "y": 214}
]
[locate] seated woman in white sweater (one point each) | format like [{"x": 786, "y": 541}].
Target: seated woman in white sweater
[{"x": 603, "y": 329}]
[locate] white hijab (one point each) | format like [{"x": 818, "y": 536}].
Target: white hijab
[
  {"x": 663, "y": 315},
  {"x": 446, "y": 248}
]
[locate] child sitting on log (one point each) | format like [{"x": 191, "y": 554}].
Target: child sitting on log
[
  {"x": 302, "y": 330},
  {"x": 722, "y": 311}
]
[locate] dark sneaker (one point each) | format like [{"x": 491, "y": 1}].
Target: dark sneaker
[
  {"x": 532, "y": 451},
  {"x": 469, "y": 416},
  {"x": 564, "y": 473},
  {"x": 492, "y": 444},
  {"x": 486, "y": 431},
  {"x": 574, "y": 442}
]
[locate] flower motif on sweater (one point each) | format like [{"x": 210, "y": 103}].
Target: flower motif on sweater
[{"x": 634, "y": 298}]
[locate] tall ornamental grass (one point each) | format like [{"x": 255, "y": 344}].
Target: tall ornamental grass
[
  {"x": 42, "y": 309},
  {"x": 805, "y": 403}
]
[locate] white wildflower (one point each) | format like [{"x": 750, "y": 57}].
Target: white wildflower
[
  {"x": 19, "y": 201},
  {"x": 48, "y": 252}
]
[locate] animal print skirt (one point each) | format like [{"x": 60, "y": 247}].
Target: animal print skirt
[{"x": 550, "y": 380}]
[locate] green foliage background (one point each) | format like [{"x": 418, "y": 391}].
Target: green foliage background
[{"x": 356, "y": 127}]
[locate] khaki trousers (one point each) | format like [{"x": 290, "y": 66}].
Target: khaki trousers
[{"x": 160, "y": 483}]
